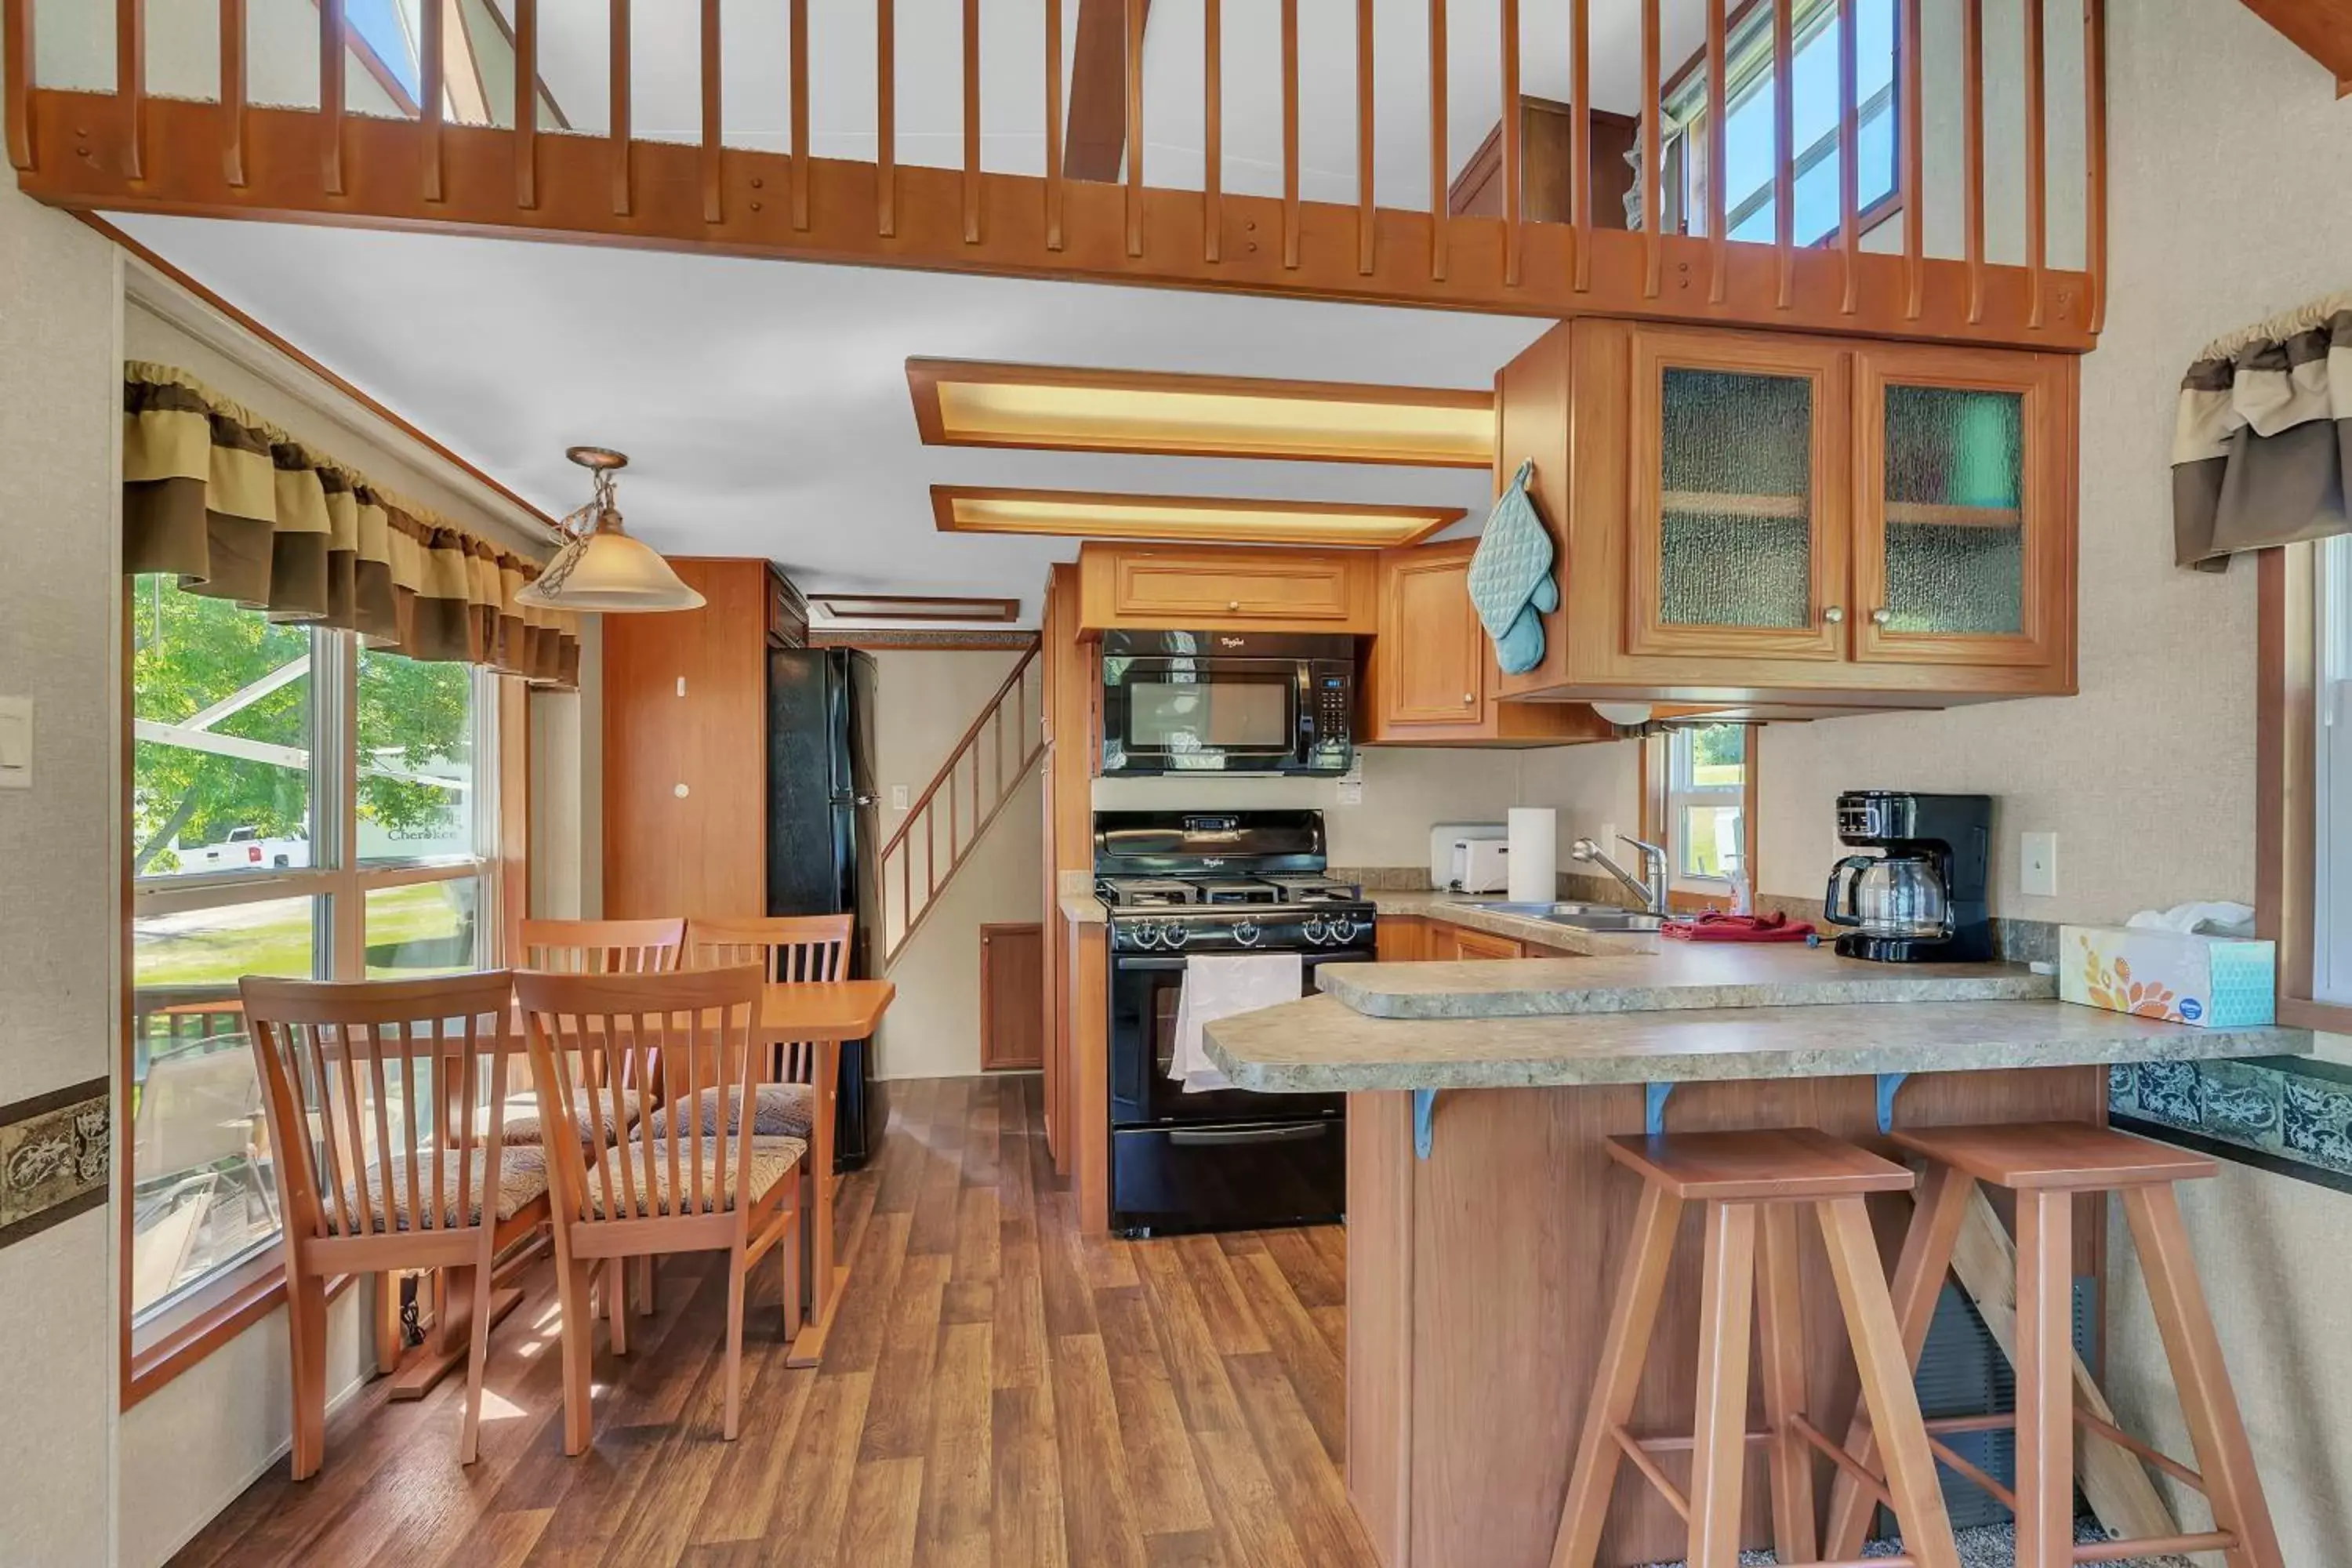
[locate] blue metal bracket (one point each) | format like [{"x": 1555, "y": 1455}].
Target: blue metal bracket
[
  {"x": 1654, "y": 1107},
  {"x": 1424, "y": 1117},
  {"x": 1889, "y": 1083}
]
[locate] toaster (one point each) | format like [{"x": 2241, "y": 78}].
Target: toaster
[{"x": 1481, "y": 865}]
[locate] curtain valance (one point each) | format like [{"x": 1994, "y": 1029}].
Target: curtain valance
[
  {"x": 238, "y": 509},
  {"x": 2261, "y": 442}
]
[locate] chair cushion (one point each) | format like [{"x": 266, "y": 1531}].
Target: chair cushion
[
  {"x": 522, "y": 1181},
  {"x": 595, "y": 1118},
  {"x": 777, "y": 1111},
  {"x": 773, "y": 1159}
]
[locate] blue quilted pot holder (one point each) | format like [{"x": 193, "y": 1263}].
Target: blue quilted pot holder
[{"x": 1511, "y": 585}]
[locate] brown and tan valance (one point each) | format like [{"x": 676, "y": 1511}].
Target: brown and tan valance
[
  {"x": 238, "y": 509},
  {"x": 2263, "y": 437}
]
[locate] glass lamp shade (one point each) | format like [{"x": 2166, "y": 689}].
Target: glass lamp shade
[{"x": 608, "y": 572}]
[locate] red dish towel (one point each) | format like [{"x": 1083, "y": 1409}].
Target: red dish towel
[{"x": 1714, "y": 927}]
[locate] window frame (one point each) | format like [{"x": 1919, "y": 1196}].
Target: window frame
[
  {"x": 2289, "y": 581},
  {"x": 1686, "y": 895},
  {"x": 187, "y": 1325}
]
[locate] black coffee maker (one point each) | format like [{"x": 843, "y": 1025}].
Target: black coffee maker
[{"x": 1923, "y": 900}]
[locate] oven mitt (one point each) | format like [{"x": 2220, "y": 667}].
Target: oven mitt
[{"x": 1511, "y": 585}]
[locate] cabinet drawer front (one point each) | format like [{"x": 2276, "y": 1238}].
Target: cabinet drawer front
[
  {"x": 1472, "y": 943},
  {"x": 1290, "y": 591}
]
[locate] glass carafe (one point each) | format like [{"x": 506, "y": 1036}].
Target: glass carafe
[{"x": 1895, "y": 895}]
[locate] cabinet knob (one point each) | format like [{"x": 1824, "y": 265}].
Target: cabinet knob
[
  {"x": 1233, "y": 604},
  {"x": 1468, "y": 698},
  {"x": 1833, "y": 614},
  {"x": 1881, "y": 616}
]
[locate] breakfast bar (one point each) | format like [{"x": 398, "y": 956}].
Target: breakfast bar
[{"x": 1487, "y": 1221}]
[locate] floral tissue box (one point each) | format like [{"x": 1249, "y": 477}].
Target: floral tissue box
[{"x": 2221, "y": 983}]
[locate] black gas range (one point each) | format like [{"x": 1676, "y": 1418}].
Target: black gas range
[{"x": 1182, "y": 886}]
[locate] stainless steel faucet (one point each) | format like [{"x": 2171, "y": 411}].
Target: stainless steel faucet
[{"x": 1649, "y": 887}]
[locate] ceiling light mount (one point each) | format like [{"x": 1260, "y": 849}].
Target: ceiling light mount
[{"x": 599, "y": 570}]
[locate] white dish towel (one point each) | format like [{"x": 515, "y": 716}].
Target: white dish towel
[{"x": 1218, "y": 988}]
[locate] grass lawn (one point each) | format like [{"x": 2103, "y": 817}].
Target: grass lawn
[{"x": 214, "y": 947}]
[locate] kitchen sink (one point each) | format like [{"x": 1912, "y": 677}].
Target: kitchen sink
[{"x": 1584, "y": 917}]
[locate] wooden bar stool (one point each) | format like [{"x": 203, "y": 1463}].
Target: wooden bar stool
[
  {"x": 1751, "y": 1183},
  {"x": 2046, "y": 1164}
]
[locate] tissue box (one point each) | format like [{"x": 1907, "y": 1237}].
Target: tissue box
[{"x": 2221, "y": 983}]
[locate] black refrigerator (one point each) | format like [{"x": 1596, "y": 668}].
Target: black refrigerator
[{"x": 821, "y": 836}]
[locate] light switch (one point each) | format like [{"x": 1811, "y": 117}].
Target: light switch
[
  {"x": 2037, "y": 865},
  {"x": 16, "y": 743},
  {"x": 898, "y": 797}
]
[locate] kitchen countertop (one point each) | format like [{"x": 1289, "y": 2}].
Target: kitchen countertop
[
  {"x": 1679, "y": 975},
  {"x": 1320, "y": 1046},
  {"x": 1076, "y": 892},
  {"x": 1471, "y": 910}
]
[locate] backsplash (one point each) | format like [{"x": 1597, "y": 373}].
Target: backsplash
[{"x": 1576, "y": 885}]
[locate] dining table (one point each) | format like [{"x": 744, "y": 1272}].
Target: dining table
[{"x": 818, "y": 1015}]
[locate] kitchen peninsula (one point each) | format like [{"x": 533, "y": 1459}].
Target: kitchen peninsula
[{"x": 1486, "y": 1223}]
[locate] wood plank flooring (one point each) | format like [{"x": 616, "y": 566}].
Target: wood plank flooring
[{"x": 1002, "y": 1392}]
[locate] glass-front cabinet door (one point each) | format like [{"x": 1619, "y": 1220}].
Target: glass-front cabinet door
[
  {"x": 1740, "y": 533},
  {"x": 1961, "y": 506}
]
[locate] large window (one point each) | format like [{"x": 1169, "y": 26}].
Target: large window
[
  {"x": 1707, "y": 795},
  {"x": 1751, "y": 99},
  {"x": 300, "y": 806}
]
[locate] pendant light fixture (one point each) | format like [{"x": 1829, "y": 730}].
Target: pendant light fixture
[{"x": 601, "y": 569}]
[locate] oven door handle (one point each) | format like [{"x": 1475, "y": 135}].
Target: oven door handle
[
  {"x": 1130, "y": 962},
  {"x": 1226, "y": 1137}
]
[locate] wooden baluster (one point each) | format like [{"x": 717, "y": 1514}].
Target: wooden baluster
[
  {"x": 713, "y": 126},
  {"x": 1915, "y": 179},
  {"x": 2037, "y": 165},
  {"x": 526, "y": 103},
  {"x": 1367, "y": 194},
  {"x": 232, "y": 90},
  {"x": 1718, "y": 245},
  {"x": 1514, "y": 202},
  {"x": 17, "y": 60},
  {"x": 972, "y": 121},
  {"x": 1439, "y": 193},
  {"x": 1054, "y": 188},
  {"x": 1290, "y": 133},
  {"x": 800, "y": 116},
  {"x": 1784, "y": 149},
  {"x": 623, "y": 193},
  {"x": 1972, "y": 149},
  {"x": 333, "y": 44},
  {"x": 1849, "y": 164},
  {"x": 1580, "y": 146},
  {"x": 1654, "y": 252},
  {"x": 1134, "y": 127},
  {"x": 1212, "y": 114},
  {"x": 886, "y": 118},
  {"x": 2095, "y": 159},
  {"x": 130, "y": 79},
  {"x": 433, "y": 94}
]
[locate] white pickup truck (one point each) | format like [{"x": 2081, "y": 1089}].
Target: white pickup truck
[{"x": 244, "y": 848}]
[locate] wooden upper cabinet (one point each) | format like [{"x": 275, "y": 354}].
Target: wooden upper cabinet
[
  {"x": 1789, "y": 526},
  {"x": 1431, "y": 675},
  {"x": 1226, "y": 588}
]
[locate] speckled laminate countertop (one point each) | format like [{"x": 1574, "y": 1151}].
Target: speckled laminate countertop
[
  {"x": 1320, "y": 1046},
  {"x": 1076, "y": 892}
]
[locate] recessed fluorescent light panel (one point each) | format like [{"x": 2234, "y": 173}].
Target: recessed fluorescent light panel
[
  {"x": 1085, "y": 514},
  {"x": 965, "y": 403},
  {"x": 914, "y": 607}
]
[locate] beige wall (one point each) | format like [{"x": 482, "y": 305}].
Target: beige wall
[
  {"x": 60, "y": 598},
  {"x": 924, "y": 701}
]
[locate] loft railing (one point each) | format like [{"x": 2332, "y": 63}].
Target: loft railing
[
  {"x": 1038, "y": 137},
  {"x": 965, "y": 797}
]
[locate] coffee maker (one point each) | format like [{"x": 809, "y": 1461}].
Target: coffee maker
[{"x": 1923, "y": 900}]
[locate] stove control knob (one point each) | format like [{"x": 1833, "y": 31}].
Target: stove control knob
[
  {"x": 1245, "y": 933},
  {"x": 1317, "y": 933},
  {"x": 1344, "y": 929},
  {"x": 1146, "y": 934},
  {"x": 1173, "y": 934}
]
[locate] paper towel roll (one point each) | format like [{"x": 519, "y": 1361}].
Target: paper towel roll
[{"x": 1535, "y": 854}]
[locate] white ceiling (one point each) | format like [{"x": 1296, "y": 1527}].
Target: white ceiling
[{"x": 764, "y": 403}]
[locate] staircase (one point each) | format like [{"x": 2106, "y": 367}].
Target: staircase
[{"x": 956, "y": 808}]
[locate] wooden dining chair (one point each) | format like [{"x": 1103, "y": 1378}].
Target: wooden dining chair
[
  {"x": 602, "y": 947},
  {"x": 791, "y": 949},
  {"x": 377, "y": 1095},
  {"x": 647, "y": 1194}
]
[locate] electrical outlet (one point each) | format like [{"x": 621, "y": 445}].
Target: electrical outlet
[
  {"x": 1350, "y": 793},
  {"x": 2037, "y": 865},
  {"x": 898, "y": 797}
]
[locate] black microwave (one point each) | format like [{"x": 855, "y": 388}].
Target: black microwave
[{"x": 1227, "y": 702}]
